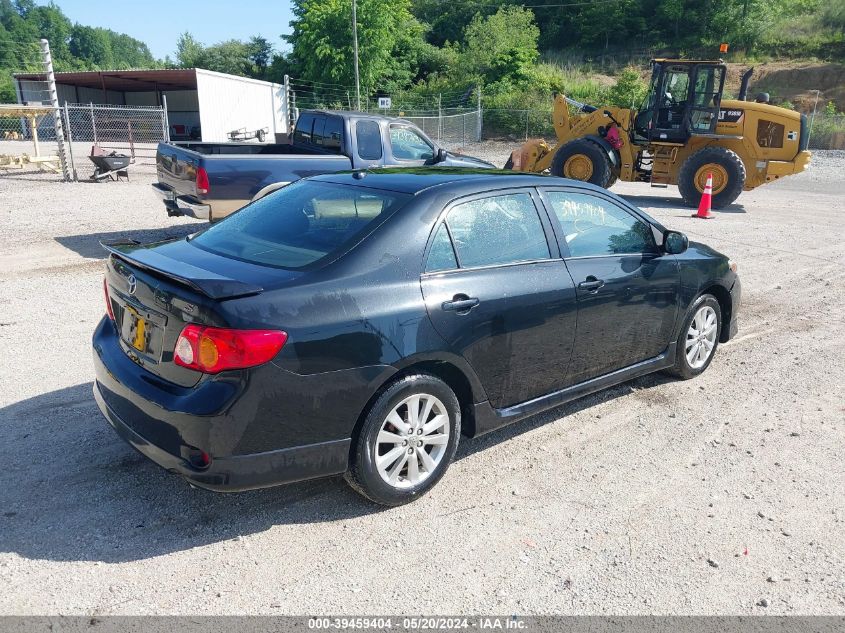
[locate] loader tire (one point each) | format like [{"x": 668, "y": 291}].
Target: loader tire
[
  {"x": 509, "y": 163},
  {"x": 584, "y": 160},
  {"x": 728, "y": 176}
]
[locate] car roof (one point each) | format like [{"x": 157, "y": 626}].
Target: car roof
[{"x": 417, "y": 180}]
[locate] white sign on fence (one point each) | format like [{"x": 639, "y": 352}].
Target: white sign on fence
[{"x": 384, "y": 102}]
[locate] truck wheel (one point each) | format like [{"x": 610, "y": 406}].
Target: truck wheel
[
  {"x": 728, "y": 176},
  {"x": 582, "y": 159}
]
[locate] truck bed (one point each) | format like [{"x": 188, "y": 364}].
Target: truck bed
[
  {"x": 249, "y": 149},
  {"x": 236, "y": 172}
]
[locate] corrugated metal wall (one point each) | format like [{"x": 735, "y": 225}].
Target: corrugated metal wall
[{"x": 228, "y": 103}]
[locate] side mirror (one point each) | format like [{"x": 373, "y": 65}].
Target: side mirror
[
  {"x": 440, "y": 156},
  {"x": 675, "y": 242}
]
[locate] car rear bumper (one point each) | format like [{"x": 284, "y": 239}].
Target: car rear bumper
[
  {"x": 168, "y": 425},
  {"x": 182, "y": 205}
]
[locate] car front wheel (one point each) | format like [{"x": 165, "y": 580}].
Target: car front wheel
[
  {"x": 407, "y": 440},
  {"x": 699, "y": 338}
]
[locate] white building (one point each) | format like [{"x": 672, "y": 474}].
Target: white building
[{"x": 201, "y": 104}]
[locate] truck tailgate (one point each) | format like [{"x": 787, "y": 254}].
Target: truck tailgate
[{"x": 177, "y": 168}]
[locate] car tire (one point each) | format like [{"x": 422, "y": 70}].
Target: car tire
[
  {"x": 584, "y": 160},
  {"x": 687, "y": 363},
  {"x": 728, "y": 173},
  {"x": 390, "y": 480}
]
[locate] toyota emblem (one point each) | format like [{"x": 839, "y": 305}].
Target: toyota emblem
[{"x": 133, "y": 283}]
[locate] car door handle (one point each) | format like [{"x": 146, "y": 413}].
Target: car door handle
[
  {"x": 460, "y": 304},
  {"x": 591, "y": 284}
]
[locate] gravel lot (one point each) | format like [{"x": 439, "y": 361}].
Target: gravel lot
[{"x": 711, "y": 496}]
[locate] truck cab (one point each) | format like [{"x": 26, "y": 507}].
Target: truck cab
[{"x": 212, "y": 180}]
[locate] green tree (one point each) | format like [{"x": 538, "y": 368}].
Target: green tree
[
  {"x": 188, "y": 51},
  {"x": 260, "y": 54},
  {"x": 231, "y": 56},
  {"x": 500, "y": 46},
  {"x": 92, "y": 46},
  {"x": 629, "y": 91},
  {"x": 449, "y": 20},
  {"x": 322, "y": 39}
]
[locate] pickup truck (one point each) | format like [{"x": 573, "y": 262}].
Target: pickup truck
[{"x": 212, "y": 180}]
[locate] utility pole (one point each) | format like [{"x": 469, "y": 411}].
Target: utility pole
[
  {"x": 355, "y": 52},
  {"x": 54, "y": 102},
  {"x": 813, "y": 119}
]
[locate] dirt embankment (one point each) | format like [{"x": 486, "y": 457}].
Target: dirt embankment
[{"x": 793, "y": 81}]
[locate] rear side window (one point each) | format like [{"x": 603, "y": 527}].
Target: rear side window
[
  {"x": 769, "y": 134},
  {"x": 442, "y": 255},
  {"x": 302, "y": 132},
  {"x": 369, "y": 140},
  {"x": 333, "y": 133},
  {"x": 317, "y": 134},
  {"x": 497, "y": 230},
  {"x": 593, "y": 226},
  {"x": 300, "y": 225}
]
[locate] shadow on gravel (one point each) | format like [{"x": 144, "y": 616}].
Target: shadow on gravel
[
  {"x": 71, "y": 490},
  {"x": 471, "y": 446},
  {"x": 666, "y": 202},
  {"x": 89, "y": 245}
]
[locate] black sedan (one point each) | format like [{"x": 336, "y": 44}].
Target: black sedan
[{"x": 360, "y": 323}]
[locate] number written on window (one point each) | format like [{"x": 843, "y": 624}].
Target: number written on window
[{"x": 594, "y": 226}]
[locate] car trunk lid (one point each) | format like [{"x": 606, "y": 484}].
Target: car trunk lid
[{"x": 156, "y": 290}]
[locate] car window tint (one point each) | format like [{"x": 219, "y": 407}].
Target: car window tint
[
  {"x": 369, "y": 140},
  {"x": 333, "y": 133},
  {"x": 593, "y": 226},
  {"x": 317, "y": 133},
  {"x": 301, "y": 224},
  {"x": 497, "y": 230},
  {"x": 302, "y": 132},
  {"x": 407, "y": 144},
  {"x": 442, "y": 255}
]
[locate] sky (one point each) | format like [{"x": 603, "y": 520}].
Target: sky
[{"x": 159, "y": 22}]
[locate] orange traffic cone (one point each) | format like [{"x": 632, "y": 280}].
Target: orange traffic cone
[{"x": 706, "y": 200}]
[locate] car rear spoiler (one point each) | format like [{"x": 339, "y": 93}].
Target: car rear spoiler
[{"x": 203, "y": 281}]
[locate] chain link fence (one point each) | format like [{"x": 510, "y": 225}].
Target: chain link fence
[
  {"x": 450, "y": 130},
  {"x": 27, "y": 115},
  {"x": 134, "y": 131},
  {"x": 828, "y": 131}
]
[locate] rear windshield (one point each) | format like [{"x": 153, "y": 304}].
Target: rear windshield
[{"x": 301, "y": 224}]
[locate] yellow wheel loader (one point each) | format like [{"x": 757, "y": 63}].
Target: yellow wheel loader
[{"x": 683, "y": 133}]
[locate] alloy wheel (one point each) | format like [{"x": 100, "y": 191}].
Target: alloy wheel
[
  {"x": 412, "y": 441},
  {"x": 701, "y": 337}
]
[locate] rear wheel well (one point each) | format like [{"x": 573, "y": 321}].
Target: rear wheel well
[
  {"x": 724, "y": 299},
  {"x": 448, "y": 373}
]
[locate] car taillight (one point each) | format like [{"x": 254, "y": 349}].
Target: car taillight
[
  {"x": 202, "y": 180},
  {"x": 108, "y": 299},
  {"x": 212, "y": 350}
]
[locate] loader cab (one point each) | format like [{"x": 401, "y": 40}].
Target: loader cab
[{"x": 683, "y": 101}]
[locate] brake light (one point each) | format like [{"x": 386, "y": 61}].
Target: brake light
[
  {"x": 108, "y": 299},
  {"x": 202, "y": 180},
  {"x": 211, "y": 350}
]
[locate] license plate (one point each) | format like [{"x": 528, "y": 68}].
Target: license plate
[{"x": 138, "y": 331}]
